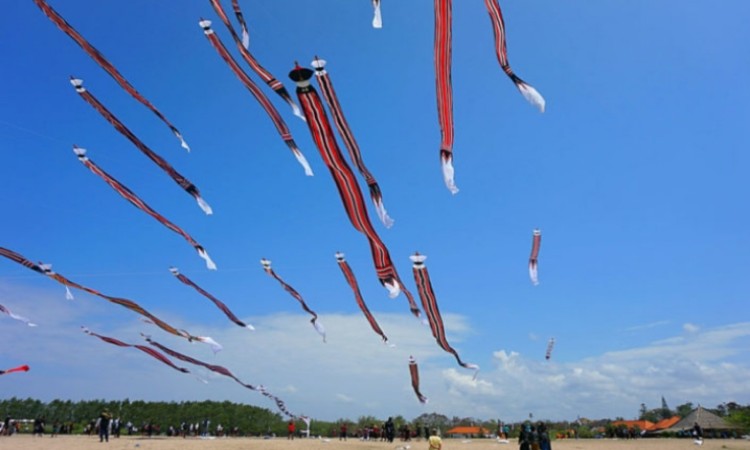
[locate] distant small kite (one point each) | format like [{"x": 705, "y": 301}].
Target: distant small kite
[
  {"x": 536, "y": 243},
  {"x": 352, "y": 281},
  {"x": 148, "y": 350},
  {"x": 281, "y": 126},
  {"x": 377, "y": 20},
  {"x": 315, "y": 322},
  {"x": 550, "y": 346},
  {"x": 219, "y": 304},
  {"x": 414, "y": 372},
  {"x": 183, "y": 182},
  {"x": 5, "y": 310},
  {"x": 429, "y": 304},
  {"x": 140, "y": 204},
  {"x": 106, "y": 65},
  {"x": 23, "y": 368}
]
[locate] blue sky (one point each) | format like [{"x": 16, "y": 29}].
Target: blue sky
[{"x": 636, "y": 174}]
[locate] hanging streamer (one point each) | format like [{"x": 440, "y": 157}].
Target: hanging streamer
[
  {"x": 550, "y": 346},
  {"x": 8, "y": 312},
  {"x": 351, "y": 196},
  {"x": 430, "y": 306},
  {"x": 326, "y": 87},
  {"x": 131, "y": 305},
  {"x": 183, "y": 182},
  {"x": 498, "y": 27},
  {"x": 377, "y": 19},
  {"x": 106, "y": 65},
  {"x": 352, "y": 280},
  {"x": 140, "y": 204},
  {"x": 414, "y": 372},
  {"x": 148, "y": 350},
  {"x": 536, "y": 243},
  {"x": 315, "y": 322},
  {"x": 281, "y": 126},
  {"x": 270, "y": 80},
  {"x": 219, "y": 304},
  {"x": 443, "y": 26},
  {"x": 23, "y": 368}
]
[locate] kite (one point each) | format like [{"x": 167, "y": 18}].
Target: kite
[
  {"x": 140, "y": 204},
  {"x": 350, "y": 278},
  {"x": 23, "y": 368},
  {"x": 183, "y": 182},
  {"x": 316, "y": 324},
  {"x": 536, "y": 242},
  {"x": 429, "y": 304},
  {"x": 221, "y": 371},
  {"x": 342, "y": 174},
  {"x": 498, "y": 27},
  {"x": 45, "y": 269},
  {"x": 377, "y": 20},
  {"x": 5, "y": 310},
  {"x": 414, "y": 371},
  {"x": 243, "y": 45},
  {"x": 550, "y": 346},
  {"x": 281, "y": 126},
  {"x": 219, "y": 304},
  {"x": 148, "y": 350},
  {"x": 443, "y": 24},
  {"x": 345, "y": 132},
  {"x": 106, "y": 65}
]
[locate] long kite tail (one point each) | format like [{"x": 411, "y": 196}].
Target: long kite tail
[
  {"x": 536, "y": 243},
  {"x": 443, "y": 25},
  {"x": 148, "y": 350},
  {"x": 243, "y": 45},
  {"x": 10, "y": 313},
  {"x": 97, "y": 56},
  {"x": 346, "y": 183},
  {"x": 329, "y": 94},
  {"x": 352, "y": 281},
  {"x": 377, "y": 19},
  {"x": 414, "y": 372},
  {"x": 278, "y": 122},
  {"x": 219, "y": 304},
  {"x": 140, "y": 204},
  {"x": 429, "y": 304},
  {"x": 498, "y": 28},
  {"x": 293, "y": 292},
  {"x": 178, "y": 178},
  {"x": 23, "y": 368}
]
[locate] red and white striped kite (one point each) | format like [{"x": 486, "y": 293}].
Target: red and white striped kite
[
  {"x": 352, "y": 280},
  {"x": 281, "y": 126},
  {"x": 143, "y": 206},
  {"x": 106, "y": 65},
  {"x": 183, "y": 182},
  {"x": 414, "y": 372},
  {"x": 315, "y": 322},
  {"x": 8, "y": 312},
  {"x": 219, "y": 304},
  {"x": 430, "y": 306},
  {"x": 443, "y": 26},
  {"x": 148, "y": 350},
  {"x": 536, "y": 243},
  {"x": 243, "y": 45},
  {"x": 23, "y": 368},
  {"x": 498, "y": 27},
  {"x": 346, "y": 183},
  {"x": 329, "y": 94}
]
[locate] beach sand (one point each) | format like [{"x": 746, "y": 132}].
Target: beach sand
[{"x": 26, "y": 442}]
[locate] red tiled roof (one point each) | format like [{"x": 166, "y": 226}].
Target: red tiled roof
[
  {"x": 641, "y": 424},
  {"x": 468, "y": 430}
]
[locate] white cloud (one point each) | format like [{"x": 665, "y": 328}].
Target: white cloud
[{"x": 690, "y": 328}]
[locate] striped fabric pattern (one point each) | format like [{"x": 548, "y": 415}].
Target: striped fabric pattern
[
  {"x": 148, "y": 350},
  {"x": 443, "y": 45},
  {"x": 97, "y": 56},
  {"x": 183, "y": 182},
  {"x": 430, "y": 306},
  {"x": 352, "y": 281},
  {"x": 414, "y": 372},
  {"x": 278, "y": 122},
  {"x": 140, "y": 204}
]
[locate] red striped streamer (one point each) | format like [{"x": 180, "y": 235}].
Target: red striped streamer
[
  {"x": 536, "y": 243},
  {"x": 414, "y": 372},
  {"x": 443, "y": 25},
  {"x": 23, "y": 368},
  {"x": 148, "y": 350}
]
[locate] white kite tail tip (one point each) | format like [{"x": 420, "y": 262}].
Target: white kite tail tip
[
  {"x": 245, "y": 39},
  {"x": 250, "y": 327},
  {"x": 209, "y": 262},
  {"x": 377, "y": 20},
  {"x": 68, "y": 294},
  {"x": 215, "y": 346},
  {"x": 448, "y": 175},
  {"x": 297, "y": 111},
  {"x": 320, "y": 329},
  {"x": 204, "y": 206},
  {"x": 393, "y": 289},
  {"x": 532, "y": 95},
  {"x": 303, "y": 162},
  {"x": 183, "y": 144},
  {"x": 533, "y": 274},
  {"x": 383, "y": 214}
]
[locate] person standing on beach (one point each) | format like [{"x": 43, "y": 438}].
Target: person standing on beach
[
  {"x": 544, "y": 441},
  {"x": 342, "y": 435},
  {"x": 434, "y": 441},
  {"x": 104, "y": 419},
  {"x": 290, "y": 430},
  {"x": 524, "y": 438}
]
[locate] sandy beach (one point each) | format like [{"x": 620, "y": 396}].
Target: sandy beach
[{"x": 27, "y": 442}]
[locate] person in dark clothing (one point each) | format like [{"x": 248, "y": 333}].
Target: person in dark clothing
[
  {"x": 544, "y": 441},
  {"x": 524, "y": 438},
  {"x": 104, "y": 419},
  {"x": 697, "y": 432},
  {"x": 390, "y": 429}
]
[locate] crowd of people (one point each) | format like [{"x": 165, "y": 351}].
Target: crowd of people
[{"x": 534, "y": 437}]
